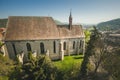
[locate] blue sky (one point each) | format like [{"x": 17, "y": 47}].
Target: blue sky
[{"x": 83, "y": 11}]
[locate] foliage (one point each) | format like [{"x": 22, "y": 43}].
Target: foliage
[
  {"x": 68, "y": 69},
  {"x": 87, "y": 35},
  {"x": 3, "y": 22},
  {"x": 39, "y": 69},
  {"x": 6, "y": 66},
  {"x": 68, "y": 62},
  {"x": 109, "y": 25},
  {"x": 89, "y": 52},
  {"x": 112, "y": 64}
]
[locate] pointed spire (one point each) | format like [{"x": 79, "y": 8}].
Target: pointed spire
[
  {"x": 71, "y": 13},
  {"x": 70, "y": 19}
]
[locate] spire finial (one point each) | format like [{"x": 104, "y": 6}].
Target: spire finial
[
  {"x": 70, "y": 19},
  {"x": 71, "y": 12}
]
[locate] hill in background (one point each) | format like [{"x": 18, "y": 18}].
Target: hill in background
[
  {"x": 3, "y": 22},
  {"x": 109, "y": 25},
  {"x": 104, "y": 26}
]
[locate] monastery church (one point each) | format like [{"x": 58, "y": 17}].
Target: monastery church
[{"x": 42, "y": 36}]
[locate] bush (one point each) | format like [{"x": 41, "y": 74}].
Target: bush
[
  {"x": 39, "y": 69},
  {"x": 6, "y": 65}
]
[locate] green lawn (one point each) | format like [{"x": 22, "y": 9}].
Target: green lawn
[
  {"x": 69, "y": 62},
  {"x": 3, "y": 77}
]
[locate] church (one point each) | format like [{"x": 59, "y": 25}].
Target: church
[{"x": 43, "y": 36}]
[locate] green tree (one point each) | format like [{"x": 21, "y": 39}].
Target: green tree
[
  {"x": 87, "y": 35},
  {"x": 36, "y": 69},
  {"x": 95, "y": 35},
  {"x": 111, "y": 63},
  {"x": 6, "y": 66}
]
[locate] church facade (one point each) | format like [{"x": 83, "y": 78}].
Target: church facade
[{"x": 43, "y": 36}]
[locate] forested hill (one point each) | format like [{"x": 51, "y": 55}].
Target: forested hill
[
  {"x": 109, "y": 25},
  {"x": 3, "y": 22}
]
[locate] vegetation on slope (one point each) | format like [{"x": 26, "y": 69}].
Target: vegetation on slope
[
  {"x": 3, "y": 22},
  {"x": 68, "y": 69},
  {"x": 109, "y": 25},
  {"x": 69, "y": 62},
  {"x": 6, "y": 66}
]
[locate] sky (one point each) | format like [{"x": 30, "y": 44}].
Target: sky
[{"x": 83, "y": 11}]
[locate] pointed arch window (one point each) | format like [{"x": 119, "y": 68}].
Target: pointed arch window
[
  {"x": 28, "y": 47},
  {"x": 42, "y": 48},
  {"x": 73, "y": 44},
  {"x": 13, "y": 45},
  {"x": 64, "y": 46},
  {"x": 80, "y": 44},
  {"x": 54, "y": 47}
]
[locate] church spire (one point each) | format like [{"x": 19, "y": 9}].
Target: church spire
[{"x": 70, "y": 20}]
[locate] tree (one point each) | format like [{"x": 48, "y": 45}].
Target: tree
[
  {"x": 36, "y": 69},
  {"x": 6, "y": 66},
  {"x": 100, "y": 52},
  {"x": 95, "y": 35},
  {"x": 87, "y": 35},
  {"x": 111, "y": 63}
]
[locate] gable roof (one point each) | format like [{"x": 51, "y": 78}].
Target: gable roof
[
  {"x": 36, "y": 28},
  {"x": 75, "y": 32}
]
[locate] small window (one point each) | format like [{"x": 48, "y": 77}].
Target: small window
[
  {"x": 54, "y": 47},
  {"x": 64, "y": 46},
  {"x": 73, "y": 44},
  {"x": 42, "y": 48},
  {"x": 80, "y": 44},
  {"x": 14, "y": 49},
  {"x": 28, "y": 47}
]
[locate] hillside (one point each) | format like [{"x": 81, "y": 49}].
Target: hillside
[
  {"x": 3, "y": 22},
  {"x": 109, "y": 25}
]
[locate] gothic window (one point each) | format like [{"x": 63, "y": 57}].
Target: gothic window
[
  {"x": 28, "y": 47},
  {"x": 73, "y": 44},
  {"x": 42, "y": 48},
  {"x": 80, "y": 44},
  {"x": 13, "y": 45},
  {"x": 64, "y": 47},
  {"x": 54, "y": 47}
]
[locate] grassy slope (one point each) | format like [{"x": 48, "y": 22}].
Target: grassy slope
[{"x": 69, "y": 62}]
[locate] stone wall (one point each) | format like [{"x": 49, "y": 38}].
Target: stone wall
[
  {"x": 48, "y": 47},
  {"x": 35, "y": 45}
]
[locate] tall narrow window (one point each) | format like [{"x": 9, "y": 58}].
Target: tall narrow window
[
  {"x": 80, "y": 44},
  {"x": 73, "y": 44},
  {"x": 28, "y": 47},
  {"x": 64, "y": 47},
  {"x": 14, "y": 49},
  {"x": 42, "y": 48},
  {"x": 54, "y": 47}
]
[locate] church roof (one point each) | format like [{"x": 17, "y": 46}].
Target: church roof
[
  {"x": 75, "y": 32},
  {"x": 36, "y": 28}
]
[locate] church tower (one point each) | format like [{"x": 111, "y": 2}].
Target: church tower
[{"x": 70, "y": 21}]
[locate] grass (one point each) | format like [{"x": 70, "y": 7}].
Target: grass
[
  {"x": 3, "y": 78},
  {"x": 69, "y": 62}
]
